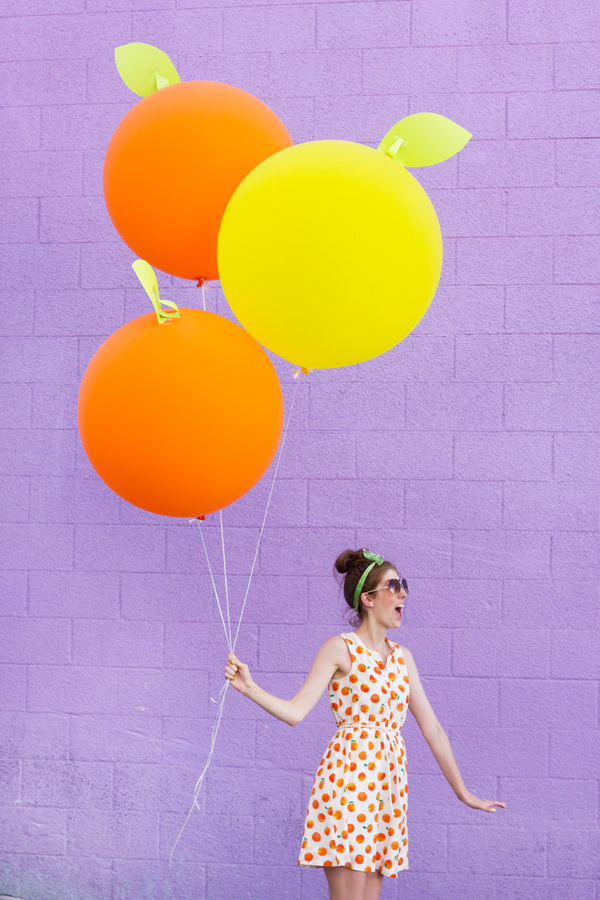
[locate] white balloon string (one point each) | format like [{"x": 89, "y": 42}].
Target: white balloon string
[
  {"x": 198, "y": 787},
  {"x": 203, "y": 299},
  {"x": 223, "y": 692},
  {"x": 229, "y": 644},
  {"x": 215, "y": 731},
  {"x": 287, "y": 425},
  {"x": 227, "y": 633}
]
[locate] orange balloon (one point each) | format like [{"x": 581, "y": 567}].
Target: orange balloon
[
  {"x": 173, "y": 163},
  {"x": 180, "y": 419}
]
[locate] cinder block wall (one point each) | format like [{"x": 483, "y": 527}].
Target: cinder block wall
[{"x": 468, "y": 454}]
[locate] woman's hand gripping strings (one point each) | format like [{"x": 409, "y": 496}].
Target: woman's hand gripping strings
[{"x": 238, "y": 675}]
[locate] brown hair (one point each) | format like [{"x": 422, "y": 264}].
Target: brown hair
[{"x": 352, "y": 564}]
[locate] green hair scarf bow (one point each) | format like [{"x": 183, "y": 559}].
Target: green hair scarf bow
[{"x": 377, "y": 561}]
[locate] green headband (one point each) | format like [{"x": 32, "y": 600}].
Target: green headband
[{"x": 377, "y": 561}]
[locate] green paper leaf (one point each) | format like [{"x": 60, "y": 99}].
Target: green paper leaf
[
  {"x": 145, "y": 273},
  {"x": 145, "y": 68},
  {"x": 424, "y": 139}
]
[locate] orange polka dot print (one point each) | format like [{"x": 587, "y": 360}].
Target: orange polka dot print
[{"x": 356, "y": 815}]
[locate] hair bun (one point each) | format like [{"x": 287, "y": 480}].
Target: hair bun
[{"x": 347, "y": 559}]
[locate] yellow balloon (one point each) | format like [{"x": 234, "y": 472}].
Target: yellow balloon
[{"x": 329, "y": 253}]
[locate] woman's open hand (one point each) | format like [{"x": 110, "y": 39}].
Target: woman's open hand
[
  {"x": 238, "y": 674},
  {"x": 486, "y": 805}
]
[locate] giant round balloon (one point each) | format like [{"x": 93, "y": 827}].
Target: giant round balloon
[
  {"x": 329, "y": 253},
  {"x": 183, "y": 418},
  {"x": 173, "y": 163}
]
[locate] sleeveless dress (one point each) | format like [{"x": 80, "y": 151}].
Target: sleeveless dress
[{"x": 356, "y": 815}]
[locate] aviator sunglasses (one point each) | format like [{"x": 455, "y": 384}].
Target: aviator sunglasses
[{"x": 394, "y": 586}]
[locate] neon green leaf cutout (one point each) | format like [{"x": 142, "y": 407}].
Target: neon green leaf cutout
[
  {"x": 145, "y": 273},
  {"x": 145, "y": 68},
  {"x": 424, "y": 139}
]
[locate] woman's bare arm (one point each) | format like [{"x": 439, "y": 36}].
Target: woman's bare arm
[
  {"x": 332, "y": 656},
  {"x": 437, "y": 739}
]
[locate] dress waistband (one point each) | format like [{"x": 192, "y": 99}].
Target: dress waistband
[{"x": 345, "y": 725}]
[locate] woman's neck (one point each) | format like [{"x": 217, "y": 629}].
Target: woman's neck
[{"x": 373, "y": 635}]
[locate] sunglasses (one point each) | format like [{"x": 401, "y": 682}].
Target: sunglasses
[{"x": 394, "y": 586}]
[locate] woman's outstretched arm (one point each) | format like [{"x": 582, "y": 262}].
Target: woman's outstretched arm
[
  {"x": 332, "y": 656},
  {"x": 437, "y": 739}
]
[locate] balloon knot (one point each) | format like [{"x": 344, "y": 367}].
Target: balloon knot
[
  {"x": 202, "y": 518},
  {"x": 301, "y": 371},
  {"x": 202, "y": 282}
]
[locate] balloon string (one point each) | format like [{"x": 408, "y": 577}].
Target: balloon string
[
  {"x": 227, "y": 633},
  {"x": 198, "y": 786},
  {"x": 202, "y": 283},
  {"x": 229, "y": 644},
  {"x": 287, "y": 425},
  {"x": 223, "y": 692}
]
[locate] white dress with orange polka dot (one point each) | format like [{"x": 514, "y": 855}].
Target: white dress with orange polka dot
[{"x": 356, "y": 815}]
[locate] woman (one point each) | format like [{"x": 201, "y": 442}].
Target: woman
[{"x": 355, "y": 824}]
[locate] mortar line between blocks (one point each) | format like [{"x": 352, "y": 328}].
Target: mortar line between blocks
[{"x": 454, "y": 456}]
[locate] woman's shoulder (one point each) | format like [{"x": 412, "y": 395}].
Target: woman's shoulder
[
  {"x": 337, "y": 652},
  {"x": 337, "y": 640},
  {"x": 336, "y": 646}
]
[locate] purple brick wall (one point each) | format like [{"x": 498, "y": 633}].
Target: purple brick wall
[{"x": 472, "y": 461}]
